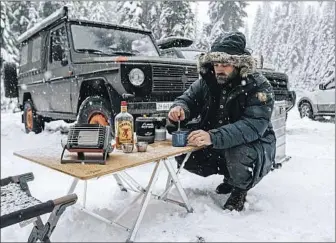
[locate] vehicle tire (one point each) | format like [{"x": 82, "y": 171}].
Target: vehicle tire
[
  {"x": 32, "y": 121},
  {"x": 306, "y": 110},
  {"x": 96, "y": 110}
]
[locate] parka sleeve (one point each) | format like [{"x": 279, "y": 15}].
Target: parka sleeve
[
  {"x": 191, "y": 100},
  {"x": 251, "y": 126}
]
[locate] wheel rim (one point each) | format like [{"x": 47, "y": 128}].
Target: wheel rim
[
  {"x": 29, "y": 119},
  {"x": 305, "y": 111},
  {"x": 98, "y": 118}
]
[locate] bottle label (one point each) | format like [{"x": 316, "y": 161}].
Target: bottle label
[{"x": 125, "y": 132}]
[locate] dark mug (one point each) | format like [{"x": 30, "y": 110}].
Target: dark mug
[{"x": 180, "y": 138}]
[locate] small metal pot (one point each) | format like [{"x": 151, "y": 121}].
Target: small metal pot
[
  {"x": 142, "y": 146},
  {"x": 179, "y": 138},
  {"x": 127, "y": 147}
]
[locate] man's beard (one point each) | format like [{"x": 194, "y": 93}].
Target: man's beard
[{"x": 222, "y": 78}]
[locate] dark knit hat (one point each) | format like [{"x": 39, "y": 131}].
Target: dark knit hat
[
  {"x": 229, "y": 48},
  {"x": 232, "y": 43}
]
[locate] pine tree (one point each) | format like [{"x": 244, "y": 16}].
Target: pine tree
[
  {"x": 328, "y": 42},
  {"x": 295, "y": 49},
  {"x": 176, "y": 19},
  {"x": 266, "y": 43},
  {"x": 309, "y": 36},
  {"x": 256, "y": 31},
  {"x": 20, "y": 20},
  {"x": 202, "y": 39},
  {"x": 153, "y": 18},
  {"x": 225, "y": 16},
  {"x": 9, "y": 51},
  {"x": 281, "y": 33},
  {"x": 247, "y": 34},
  {"x": 130, "y": 13}
]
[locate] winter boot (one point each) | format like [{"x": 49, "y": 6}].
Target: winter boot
[
  {"x": 224, "y": 188},
  {"x": 236, "y": 200}
]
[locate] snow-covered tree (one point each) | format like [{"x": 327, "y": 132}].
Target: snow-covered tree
[
  {"x": 280, "y": 36},
  {"x": 202, "y": 40},
  {"x": 247, "y": 34},
  {"x": 130, "y": 13},
  {"x": 295, "y": 48},
  {"x": 20, "y": 20},
  {"x": 177, "y": 19},
  {"x": 309, "y": 41},
  {"x": 49, "y": 7},
  {"x": 327, "y": 39},
  {"x": 225, "y": 16},
  {"x": 256, "y": 30},
  {"x": 9, "y": 51}
]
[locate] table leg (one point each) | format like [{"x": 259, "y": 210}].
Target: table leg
[
  {"x": 169, "y": 183},
  {"x": 145, "y": 202},
  {"x": 178, "y": 185},
  {"x": 119, "y": 182},
  {"x": 73, "y": 186},
  {"x": 84, "y": 195}
]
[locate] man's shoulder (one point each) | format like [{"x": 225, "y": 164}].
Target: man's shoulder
[{"x": 260, "y": 81}]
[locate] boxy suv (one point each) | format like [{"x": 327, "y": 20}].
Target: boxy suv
[{"x": 78, "y": 70}]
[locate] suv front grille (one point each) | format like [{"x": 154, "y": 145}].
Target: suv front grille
[{"x": 169, "y": 78}]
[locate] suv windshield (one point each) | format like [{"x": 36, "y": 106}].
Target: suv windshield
[
  {"x": 191, "y": 54},
  {"x": 108, "y": 41}
]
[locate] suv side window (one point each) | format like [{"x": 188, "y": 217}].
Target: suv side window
[
  {"x": 58, "y": 45},
  {"x": 24, "y": 54},
  {"x": 36, "y": 53}
]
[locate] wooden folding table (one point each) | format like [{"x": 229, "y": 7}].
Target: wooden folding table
[{"x": 117, "y": 163}]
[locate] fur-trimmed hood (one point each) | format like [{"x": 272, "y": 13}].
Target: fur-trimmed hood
[{"x": 246, "y": 63}]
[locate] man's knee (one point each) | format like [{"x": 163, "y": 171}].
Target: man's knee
[
  {"x": 200, "y": 162},
  {"x": 245, "y": 154},
  {"x": 241, "y": 161}
]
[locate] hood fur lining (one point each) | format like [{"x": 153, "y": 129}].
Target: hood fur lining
[{"x": 246, "y": 63}]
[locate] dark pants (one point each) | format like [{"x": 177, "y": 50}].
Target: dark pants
[{"x": 242, "y": 166}]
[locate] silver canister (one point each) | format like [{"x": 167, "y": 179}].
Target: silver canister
[{"x": 160, "y": 134}]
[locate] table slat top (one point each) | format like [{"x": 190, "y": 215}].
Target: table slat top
[{"x": 117, "y": 161}]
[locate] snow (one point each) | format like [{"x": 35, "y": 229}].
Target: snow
[{"x": 294, "y": 203}]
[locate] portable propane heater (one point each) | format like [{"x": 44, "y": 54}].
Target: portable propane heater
[{"x": 88, "y": 138}]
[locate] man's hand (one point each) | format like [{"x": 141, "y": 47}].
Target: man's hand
[
  {"x": 199, "y": 138},
  {"x": 176, "y": 114}
]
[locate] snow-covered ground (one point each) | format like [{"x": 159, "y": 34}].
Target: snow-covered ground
[{"x": 295, "y": 203}]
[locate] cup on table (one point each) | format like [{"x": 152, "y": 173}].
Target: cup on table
[{"x": 180, "y": 138}]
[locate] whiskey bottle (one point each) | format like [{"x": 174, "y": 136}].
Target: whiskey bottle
[{"x": 124, "y": 126}]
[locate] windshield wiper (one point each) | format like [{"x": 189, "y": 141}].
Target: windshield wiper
[
  {"x": 125, "y": 53},
  {"x": 113, "y": 53},
  {"x": 95, "y": 51}
]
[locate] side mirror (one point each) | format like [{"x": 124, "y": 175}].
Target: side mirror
[{"x": 321, "y": 87}]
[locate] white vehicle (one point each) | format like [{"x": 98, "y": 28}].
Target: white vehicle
[{"x": 320, "y": 102}]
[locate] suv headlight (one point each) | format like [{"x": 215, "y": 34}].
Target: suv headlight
[{"x": 136, "y": 77}]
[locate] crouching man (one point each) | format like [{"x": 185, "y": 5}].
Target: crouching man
[{"x": 233, "y": 104}]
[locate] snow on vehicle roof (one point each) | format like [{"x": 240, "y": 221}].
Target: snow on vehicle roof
[
  {"x": 63, "y": 13},
  {"x": 43, "y": 24}
]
